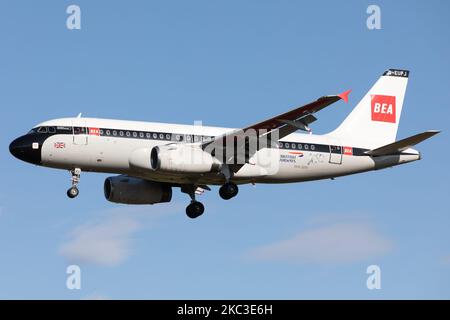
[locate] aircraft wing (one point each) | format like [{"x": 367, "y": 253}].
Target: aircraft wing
[
  {"x": 298, "y": 118},
  {"x": 285, "y": 123}
]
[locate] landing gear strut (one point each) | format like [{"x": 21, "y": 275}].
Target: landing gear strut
[
  {"x": 73, "y": 191},
  {"x": 195, "y": 209},
  {"x": 228, "y": 190}
]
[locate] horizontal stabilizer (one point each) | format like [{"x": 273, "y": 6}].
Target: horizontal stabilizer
[{"x": 402, "y": 145}]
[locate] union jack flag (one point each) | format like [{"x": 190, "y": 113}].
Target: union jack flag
[{"x": 59, "y": 145}]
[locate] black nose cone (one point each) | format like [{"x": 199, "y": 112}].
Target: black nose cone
[{"x": 27, "y": 148}]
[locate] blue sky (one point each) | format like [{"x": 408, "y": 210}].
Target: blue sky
[{"x": 227, "y": 63}]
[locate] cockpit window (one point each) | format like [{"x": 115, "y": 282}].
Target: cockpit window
[
  {"x": 64, "y": 130},
  {"x": 52, "y": 130}
]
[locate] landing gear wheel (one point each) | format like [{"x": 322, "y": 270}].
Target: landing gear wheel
[
  {"x": 228, "y": 190},
  {"x": 72, "y": 192},
  {"x": 195, "y": 209}
]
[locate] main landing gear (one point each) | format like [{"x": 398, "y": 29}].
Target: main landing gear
[
  {"x": 73, "y": 191},
  {"x": 195, "y": 209},
  {"x": 228, "y": 190}
]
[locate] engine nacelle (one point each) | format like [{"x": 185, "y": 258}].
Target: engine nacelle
[
  {"x": 180, "y": 158},
  {"x": 129, "y": 190}
]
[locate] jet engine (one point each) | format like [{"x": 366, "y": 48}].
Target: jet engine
[
  {"x": 178, "y": 158},
  {"x": 129, "y": 190}
]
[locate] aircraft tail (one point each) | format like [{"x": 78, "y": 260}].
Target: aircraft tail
[{"x": 374, "y": 121}]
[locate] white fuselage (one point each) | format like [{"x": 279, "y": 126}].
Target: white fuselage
[{"x": 103, "y": 145}]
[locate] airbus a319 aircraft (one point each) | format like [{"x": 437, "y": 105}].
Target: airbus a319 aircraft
[{"x": 150, "y": 159}]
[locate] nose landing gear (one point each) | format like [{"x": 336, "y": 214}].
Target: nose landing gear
[{"x": 73, "y": 191}]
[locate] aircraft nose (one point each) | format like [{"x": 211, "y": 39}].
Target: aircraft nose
[{"x": 25, "y": 149}]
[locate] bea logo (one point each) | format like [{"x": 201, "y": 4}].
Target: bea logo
[
  {"x": 383, "y": 108},
  {"x": 94, "y": 131}
]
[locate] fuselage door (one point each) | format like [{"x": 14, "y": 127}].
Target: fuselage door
[
  {"x": 335, "y": 154},
  {"x": 80, "y": 134}
]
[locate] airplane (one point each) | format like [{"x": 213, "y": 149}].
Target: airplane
[{"x": 150, "y": 159}]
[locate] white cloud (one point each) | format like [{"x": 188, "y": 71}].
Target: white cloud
[
  {"x": 106, "y": 243},
  {"x": 336, "y": 243}
]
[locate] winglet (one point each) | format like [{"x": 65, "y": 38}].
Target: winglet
[{"x": 344, "y": 95}]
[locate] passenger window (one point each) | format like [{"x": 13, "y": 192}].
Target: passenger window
[
  {"x": 148, "y": 135},
  {"x": 161, "y": 136},
  {"x": 141, "y": 134},
  {"x": 128, "y": 133}
]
